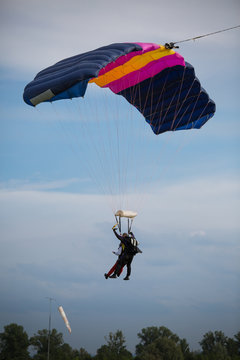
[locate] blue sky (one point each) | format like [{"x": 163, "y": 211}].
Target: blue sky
[{"x": 55, "y": 220}]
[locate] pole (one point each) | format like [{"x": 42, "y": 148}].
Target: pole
[{"x": 49, "y": 325}]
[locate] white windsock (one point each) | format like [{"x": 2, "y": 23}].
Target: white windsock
[{"x": 63, "y": 315}]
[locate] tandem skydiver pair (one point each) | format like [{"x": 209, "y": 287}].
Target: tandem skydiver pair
[{"x": 128, "y": 248}]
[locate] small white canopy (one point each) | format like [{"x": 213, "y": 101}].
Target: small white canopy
[{"x": 126, "y": 213}]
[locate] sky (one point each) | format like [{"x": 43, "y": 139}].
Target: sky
[{"x": 56, "y": 204}]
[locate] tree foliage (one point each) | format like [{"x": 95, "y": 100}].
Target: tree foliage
[
  {"x": 58, "y": 350},
  {"x": 115, "y": 348},
  {"x": 83, "y": 355},
  {"x": 14, "y": 343},
  {"x": 216, "y": 346},
  {"x": 233, "y": 346},
  {"x": 155, "y": 343},
  {"x": 159, "y": 343}
]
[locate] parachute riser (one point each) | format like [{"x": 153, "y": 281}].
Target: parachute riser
[
  {"x": 118, "y": 220},
  {"x": 130, "y": 221}
]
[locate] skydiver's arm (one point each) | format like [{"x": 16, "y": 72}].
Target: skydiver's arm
[
  {"x": 121, "y": 238},
  {"x": 118, "y": 236},
  {"x": 119, "y": 251}
]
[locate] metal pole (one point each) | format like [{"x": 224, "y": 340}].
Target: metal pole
[{"x": 49, "y": 326}]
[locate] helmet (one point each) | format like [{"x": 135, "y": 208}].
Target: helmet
[{"x": 125, "y": 235}]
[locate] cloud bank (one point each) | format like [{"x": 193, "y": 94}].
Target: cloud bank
[{"x": 59, "y": 245}]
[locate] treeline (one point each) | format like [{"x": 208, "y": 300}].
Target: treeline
[{"x": 155, "y": 343}]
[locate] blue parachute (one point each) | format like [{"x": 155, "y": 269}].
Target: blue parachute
[{"x": 154, "y": 79}]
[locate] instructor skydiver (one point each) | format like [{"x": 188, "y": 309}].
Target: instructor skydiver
[{"x": 118, "y": 253}]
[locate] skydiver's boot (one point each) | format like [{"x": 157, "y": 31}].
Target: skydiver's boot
[
  {"x": 113, "y": 276},
  {"x": 106, "y": 276},
  {"x": 126, "y": 278}
]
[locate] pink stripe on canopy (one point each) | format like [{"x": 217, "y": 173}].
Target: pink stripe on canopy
[{"x": 150, "y": 70}]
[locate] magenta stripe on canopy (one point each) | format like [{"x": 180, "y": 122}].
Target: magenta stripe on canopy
[{"x": 150, "y": 70}]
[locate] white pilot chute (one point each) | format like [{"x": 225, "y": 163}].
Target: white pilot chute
[
  {"x": 64, "y": 317},
  {"x": 130, "y": 215}
]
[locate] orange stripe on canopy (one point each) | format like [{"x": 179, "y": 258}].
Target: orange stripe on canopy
[{"x": 136, "y": 63}]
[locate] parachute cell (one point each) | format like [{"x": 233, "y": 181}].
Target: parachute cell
[{"x": 155, "y": 80}]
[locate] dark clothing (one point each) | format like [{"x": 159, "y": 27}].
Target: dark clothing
[
  {"x": 126, "y": 257},
  {"x": 128, "y": 242}
]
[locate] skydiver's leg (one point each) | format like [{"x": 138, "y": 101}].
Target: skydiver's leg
[
  {"x": 120, "y": 264},
  {"x": 121, "y": 270},
  {"x": 111, "y": 270},
  {"x": 128, "y": 268},
  {"x": 118, "y": 268}
]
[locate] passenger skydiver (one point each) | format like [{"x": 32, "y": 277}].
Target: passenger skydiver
[
  {"x": 130, "y": 250},
  {"x": 118, "y": 253}
]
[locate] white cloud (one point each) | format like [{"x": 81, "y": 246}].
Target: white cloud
[
  {"x": 28, "y": 31},
  {"x": 28, "y": 185},
  {"x": 39, "y": 219},
  {"x": 198, "y": 233},
  {"x": 59, "y": 244},
  {"x": 206, "y": 203}
]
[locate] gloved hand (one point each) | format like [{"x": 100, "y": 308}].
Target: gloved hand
[{"x": 115, "y": 226}]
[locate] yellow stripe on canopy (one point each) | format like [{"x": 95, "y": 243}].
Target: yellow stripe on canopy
[{"x": 135, "y": 63}]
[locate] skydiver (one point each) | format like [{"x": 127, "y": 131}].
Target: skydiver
[
  {"x": 118, "y": 253},
  {"x": 130, "y": 250}
]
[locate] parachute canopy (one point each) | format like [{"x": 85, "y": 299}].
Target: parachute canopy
[
  {"x": 156, "y": 80},
  {"x": 130, "y": 215}
]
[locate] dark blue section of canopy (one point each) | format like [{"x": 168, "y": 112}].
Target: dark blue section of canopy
[
  {"x": 68, "y": 78},
  {"x": 77, "y": 90},
  {"x": 172, "y": 100}
]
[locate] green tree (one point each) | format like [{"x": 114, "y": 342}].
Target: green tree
[
  {"x": 115, "y": 348},
  {"x": 66, "y": 352},
  {"x": 214, "y": 345},
  {"x": 233, "y": 347},
  {"x": 103, "y": 353},
  {"x": 14, "y": 343},
  {"x": 40, "y": 343},
  {"x": 186, "y": 350},
  {"x": 159, "y": 343},
  {"x": 162, "y": 349},
  {"x": 83, "y": 355},
  {"x": 58, "y": 349}
]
